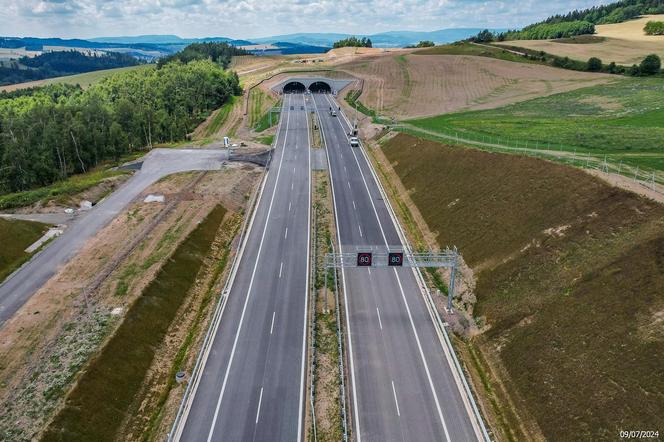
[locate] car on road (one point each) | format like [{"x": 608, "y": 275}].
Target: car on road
[
  {"x": 354, "y": 142},
  {"x": 333, "y": 113}
]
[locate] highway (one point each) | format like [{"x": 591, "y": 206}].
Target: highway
[
  {"x": 252, "y": 383},
  {"x": 20, "y": 286},
  {"x": 401, "y": 382}
]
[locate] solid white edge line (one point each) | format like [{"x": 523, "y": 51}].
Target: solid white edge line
[
  {"x": 258, "y": 410},
  {"x": 197, "y": 374},
  {"x": 306, "y": 293},
  {"x": 403, "y": 296},
  {"x": 396, "y": 401},
  {"x": 358, "y": 434},
  {"x": 253, "y": 274}
]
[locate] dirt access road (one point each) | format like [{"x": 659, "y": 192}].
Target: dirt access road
[{"x": 19, "y": 287}]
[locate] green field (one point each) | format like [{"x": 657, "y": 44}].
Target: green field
[
  {"x": 15, "y": 237},
  {"x": 84, "y": 80},
  {"x": 97, "y": 406},
  {"x": 569, "y": 274},
  {"x": 623, "y": 120}
]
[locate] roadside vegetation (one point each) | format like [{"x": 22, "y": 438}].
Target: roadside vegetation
[
  {"x": 15, "y": 237},
  {"x": 97, "y": 406},
  {"x": 568, "y": 273},
  {"x": 621, "y": 120}
]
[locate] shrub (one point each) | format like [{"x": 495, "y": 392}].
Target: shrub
[
  {"x": 654, "y": 28},
  {"x": 651, "y": 65},
  {"x": 594, "y": 64}
]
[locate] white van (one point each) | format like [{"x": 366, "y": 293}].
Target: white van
[{"x": 354, "y": 142}]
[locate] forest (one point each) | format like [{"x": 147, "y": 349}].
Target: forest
[
  {"x": 60, "y": 63},
  {"x": 52, "y": 132},
  {"x": 220, "y": 53}
]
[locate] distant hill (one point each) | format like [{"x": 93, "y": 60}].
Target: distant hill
[
  {"x": 166, "y": 40},
  {"x": 383, "y": 39}
]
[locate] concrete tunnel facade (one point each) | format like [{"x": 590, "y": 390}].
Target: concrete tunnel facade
[{"x": 310, "y": 84}]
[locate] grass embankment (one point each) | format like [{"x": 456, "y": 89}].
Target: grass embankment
[
  {"x": 569, "y": 275},
  {"x": 219, "y": 117},
  {"x": 97, "y": 406},
  {"x": 352, "y": 98},
  {"x": 58, "y": 192},
  {"x": 260, "y": 104},
  {"x": 15, "y": 237},
  {"x": 326, "y": 388},
  {"x": 622, "y": 120}
]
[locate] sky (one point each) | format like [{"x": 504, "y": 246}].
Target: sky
[{"x": 259, "y": 18}]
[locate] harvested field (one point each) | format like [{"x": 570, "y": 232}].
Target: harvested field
[
  {"x": 623, "y": 43},
  {"x": 569, "y": 273},
  {"x": 422, "y": 85},
  {"x": 52, "y": 337},
  {"x": 631, "y": 30}
]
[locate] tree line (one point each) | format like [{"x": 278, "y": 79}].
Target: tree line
[
  {"x": 364, "y": 42},
  {"x": 617, "y": 12},
  {"x": 52, "y": 132},
  {"x": 60, "y": 63},
  {"x": 578, "y": 22},
  {"x": 220, "y": 53}
]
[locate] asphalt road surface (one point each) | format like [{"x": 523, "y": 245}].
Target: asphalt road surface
[
  {"x": 402, "y": 386},
  {"x": 16, "y": 290},
  {"x": 253, "y": 380}
]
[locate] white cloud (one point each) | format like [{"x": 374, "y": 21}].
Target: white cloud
[{"x": 255, "y": 18}]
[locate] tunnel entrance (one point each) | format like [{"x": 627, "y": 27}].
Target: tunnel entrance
[
  {"x": 294, "y": 87},
  {"x": 320, "y": 87}
]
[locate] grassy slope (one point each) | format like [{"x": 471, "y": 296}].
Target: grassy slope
[
  {"x": 220, "y": 117},
  {"x": 15, "y": 237},
  {"x": 96, "y": 407},
  {"x": 572, "y": 316},
  {"x": 85, "y": 79},
  {"x": 59, "y": 191},
  {"x": 622, "y": 119},
  {"x": 463, "y": 48}
]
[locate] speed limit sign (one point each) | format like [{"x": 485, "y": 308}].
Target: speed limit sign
[
  {"x": 364, "y": 259},
  {"x": 395, "y": 259}
]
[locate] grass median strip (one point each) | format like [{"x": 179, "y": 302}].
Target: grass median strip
[{"x": 97, "y": 406}]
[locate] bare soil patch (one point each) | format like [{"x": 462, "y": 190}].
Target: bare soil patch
[{"x": 423, "y": 85}]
